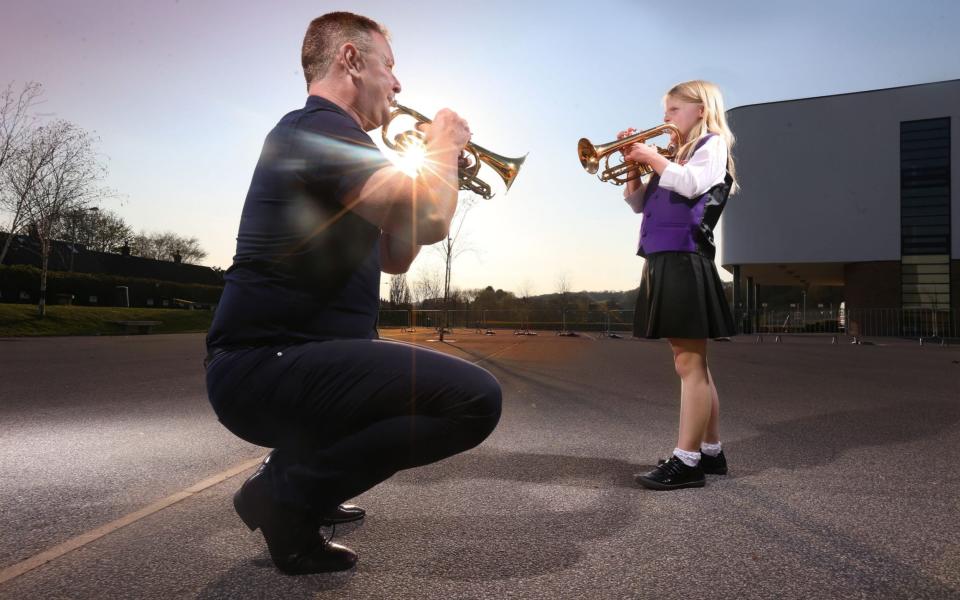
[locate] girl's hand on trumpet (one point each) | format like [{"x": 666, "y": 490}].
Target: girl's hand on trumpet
[
  {"x": 647, "y": 155},
  {"x": 634, "y": 185},
  {"x": 626, "y": 133}
]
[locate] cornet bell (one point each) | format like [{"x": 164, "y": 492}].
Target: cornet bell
[{"x": 589, "y": 157}]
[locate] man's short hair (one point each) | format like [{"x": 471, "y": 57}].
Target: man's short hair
[{"x": 327, "y": 34}]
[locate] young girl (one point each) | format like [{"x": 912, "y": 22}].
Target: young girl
[{"x": 681, "y": 297}]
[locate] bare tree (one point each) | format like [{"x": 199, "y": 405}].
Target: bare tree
[
  {"x": 188, "y": 250},
  {"x": 16, "y": 123},
  {"x": 141, "y": 245},
  {"x": 164, "y": 245},
  {"x": 452, "y": 247},
  {"x": 428, "y": 286},
  {"x": 167, "y": 246},
  {"x": 101, "y": 231},
  {"x": 563, "y": 288},
  {"x": 109, "y": 232},
  {"x": 15, "y": 118},
  {"x": 68, "y": 181},
  {"x": 525, "y": 291},
  {"x": 399, "y": 290}
]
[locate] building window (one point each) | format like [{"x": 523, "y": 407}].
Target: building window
[{"x": 925, "y": 213}]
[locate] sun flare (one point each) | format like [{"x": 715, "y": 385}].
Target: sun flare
[{"x": 412, "y": 159}]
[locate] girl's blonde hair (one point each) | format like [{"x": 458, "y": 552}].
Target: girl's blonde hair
[{"x": 714, "y": 118}]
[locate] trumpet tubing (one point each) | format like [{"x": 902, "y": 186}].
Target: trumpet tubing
[{"x": 505, "y": 167}]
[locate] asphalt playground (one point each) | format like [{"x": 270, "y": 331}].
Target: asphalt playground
[{"x": 843, "y": 483}]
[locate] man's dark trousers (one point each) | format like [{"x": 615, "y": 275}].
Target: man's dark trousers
[{"x": 344, "y": 415}]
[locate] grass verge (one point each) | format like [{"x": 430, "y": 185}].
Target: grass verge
[{"x": 21, "y": 320}]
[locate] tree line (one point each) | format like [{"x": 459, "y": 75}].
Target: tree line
[
  {"x": 105, "y": 231},
  {"x": 51, "y": 185},
  {"x": 427, "y": 292}
]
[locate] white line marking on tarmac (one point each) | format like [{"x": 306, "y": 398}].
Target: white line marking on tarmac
[
  {"x": 497, "y": 353},
  {"x": 83, "y": 539}
]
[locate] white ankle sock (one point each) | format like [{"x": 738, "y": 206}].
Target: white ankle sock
[
  {"x": 711, "y": 449},
  {"x": 691, "y": 459}
]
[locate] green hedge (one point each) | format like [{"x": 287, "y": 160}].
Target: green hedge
[{"x": 90, "y": 289}]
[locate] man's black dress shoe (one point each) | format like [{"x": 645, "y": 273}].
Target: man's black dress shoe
[
  {"x": 345, "y": 513},
  {"x": 295, "y": 545},
  {"x": 672, "y": 474}
]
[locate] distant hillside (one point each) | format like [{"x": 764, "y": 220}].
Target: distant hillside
[{"x": 611, "y": 299}]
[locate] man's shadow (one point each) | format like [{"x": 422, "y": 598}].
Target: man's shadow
[{"x": 524, "y": 541}]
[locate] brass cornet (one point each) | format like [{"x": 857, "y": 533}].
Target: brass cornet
[
  {"x": 625, "y": 170},
  {"x": 506, "y": 168}
]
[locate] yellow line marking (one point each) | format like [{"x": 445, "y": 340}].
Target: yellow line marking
[
  {"x": 83, "y": 539},
  {"x": 38, "y": 560}
]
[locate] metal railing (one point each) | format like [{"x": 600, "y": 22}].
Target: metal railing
[
  {"x": 923, "y": 324},
  {"x": 558, "y": 320}
]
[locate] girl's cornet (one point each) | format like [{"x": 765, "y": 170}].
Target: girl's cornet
[
  {"x": 624, "y": 171},
  {"x": 506, "y": 168}
]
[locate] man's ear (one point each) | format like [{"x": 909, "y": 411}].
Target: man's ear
[{"x": 351, "y": 59}]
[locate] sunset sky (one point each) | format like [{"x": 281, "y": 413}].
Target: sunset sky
[{"x": 182, "y": 93}]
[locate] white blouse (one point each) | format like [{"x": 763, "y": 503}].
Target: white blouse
[{"x": 705, "y": 169}]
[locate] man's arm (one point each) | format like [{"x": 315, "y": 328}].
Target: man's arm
[{"x": 397, "y": 254}]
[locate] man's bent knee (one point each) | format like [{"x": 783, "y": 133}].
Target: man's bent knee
[{"x": 484, "y": 409}]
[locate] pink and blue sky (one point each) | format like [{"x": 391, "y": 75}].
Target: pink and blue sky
[{"x": 182, "y": 93}]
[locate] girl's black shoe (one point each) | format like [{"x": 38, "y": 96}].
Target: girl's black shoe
[
  {"x": 713, "y": 465},
  {"x": 672, "y": 474}
]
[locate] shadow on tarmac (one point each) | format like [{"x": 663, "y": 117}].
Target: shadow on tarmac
[{"x": 819, "y": 440}]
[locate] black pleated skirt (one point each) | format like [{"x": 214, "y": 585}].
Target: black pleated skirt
[{"x": 681, "y": 296}]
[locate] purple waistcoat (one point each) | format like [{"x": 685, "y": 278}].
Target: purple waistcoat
[{"x": 675, "y": 223}]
